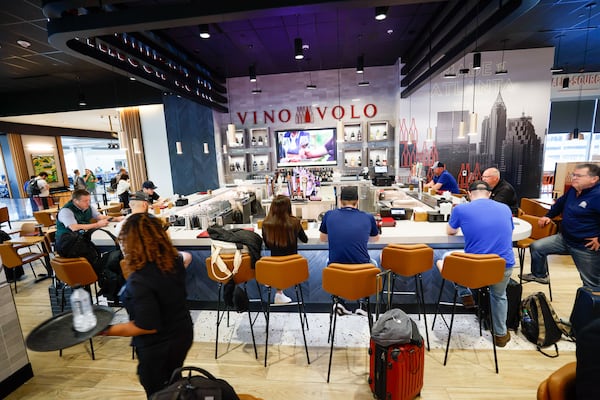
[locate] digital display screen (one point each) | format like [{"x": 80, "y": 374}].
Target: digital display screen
[
  {"x": 398, "y": 211},
  {"x": 381, "y": 169},
  {"x": 306, "y": 147}
]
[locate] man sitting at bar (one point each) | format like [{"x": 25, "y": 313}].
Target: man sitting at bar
[
  {"x": 155, "y": 199},
  {"x": 502, "y": 191},
  {"x": 487, "y": 226},
  {"x": 442, "y": 179},
  {"x": 348, "y": 230}
]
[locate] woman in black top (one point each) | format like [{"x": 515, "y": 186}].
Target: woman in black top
[
  {"x": 281, "y": 232},
  {"x": 155, "y": 299}
]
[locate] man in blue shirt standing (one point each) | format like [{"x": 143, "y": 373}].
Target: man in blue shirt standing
[
  {"x": 442, "y": 179},
  {"x": 487, "y": 226},
  {"x": 579, "y": 229}
]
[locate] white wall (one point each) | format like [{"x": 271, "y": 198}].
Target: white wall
[{"x": 154, "y": 135}]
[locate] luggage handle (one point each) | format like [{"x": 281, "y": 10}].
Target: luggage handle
[{"x": 175, "y": 375}]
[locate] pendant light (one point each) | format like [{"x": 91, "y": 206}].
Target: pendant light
[
  {"x": 473, "y": 119},
  {"x": 556, "y": 67},
  {"x": 461, "y": 125},
  {"x": 576, "y": 135},
  {"x": 501, "y": 68},
  {"x": 231, "y": 125},
  {"x": 340, "y": 125},
  {"x": 429, "y": 136}
]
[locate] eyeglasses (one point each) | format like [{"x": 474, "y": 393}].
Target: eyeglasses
[
  {"x": 486, "y": 176},
  {"x": 578, "y": 175}
]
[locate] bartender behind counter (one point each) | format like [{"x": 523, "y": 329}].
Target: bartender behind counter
[{"x": 442, "y": 179}]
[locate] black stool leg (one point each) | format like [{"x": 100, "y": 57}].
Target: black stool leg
[
  {"x": 251, "y": 323},
  {"x": 437, "y": 307},
  {"x": 421, "y": 299},
  {"x": 92, "y": 349},
  {"x": 491, "y": 322},
  {"x": 300, "y": 310},
  {"x": 451, "y": 323},
  {"x": 332, "y": 331},
  {"x": 267, "y": 317}
]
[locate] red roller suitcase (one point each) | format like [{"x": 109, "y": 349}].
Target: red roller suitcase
[{"x": 396, "y": 371}]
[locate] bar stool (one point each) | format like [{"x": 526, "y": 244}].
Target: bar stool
[
  {"x": 351, "y": 282},
  {"x": 536, "y": 233},
  {"x": 244, "y": 274},
  {"x": 283, "y": 272},
  {"x": 475, "y": 271},
  {"x": 408, "y": 260}
]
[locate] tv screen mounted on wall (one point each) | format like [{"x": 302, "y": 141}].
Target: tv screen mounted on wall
[{"x": 306, "y": 147}]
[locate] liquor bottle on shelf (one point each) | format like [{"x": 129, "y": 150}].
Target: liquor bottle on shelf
[
  {"x": 370, "y": 162},
  {"x": 384, "y": 135},
  {"x": 254, "y": 165},
  {"x": 260, "y": 141},
  {"x": 261, "y": 165},
  {"x": 352, "y": 161},
  {"x": 345, "y": 162},
  {"x": 359, "y": 138},
  {"x": 359, "y": 161},
  {"x": 253, "y": 141},
  {"x": 377, "y": 135},
  {"x": 378, "y": 161},
  {"x": 352, "y": 137},
  {"x": 237, "y": 166}
]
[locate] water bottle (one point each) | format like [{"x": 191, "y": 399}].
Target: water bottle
[
  {"x": 83, "y": 314},
  {"x": 526, "y": 317}
]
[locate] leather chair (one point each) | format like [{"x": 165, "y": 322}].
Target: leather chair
[
  {"x": 75, "y": 271},
  {"x": 350, "y": 282},
  {"x": 560, "y": 385},
  {"x": 409, "y": 260},
  {"x": 44, "y": 218},
  {"x": 12, "y": 259},
  {"x": 283, "y": 272},
  {"x": 245, "y": 274},
  {"x": 531, "y": 207},
  {"x": 475, "y": 271},
  {"x": 536, "y": 233},
  {"x": 5, "y": 216}
]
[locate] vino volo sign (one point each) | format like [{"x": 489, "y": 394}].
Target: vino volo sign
[{"x": 307, "y": 114}]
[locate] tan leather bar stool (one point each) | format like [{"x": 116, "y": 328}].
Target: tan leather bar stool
[
  {"x": 350, "y": 282},
  {"x": 75, "y": 271},
  {"x": 536, "y": 233},
  {"x": 475, "y": 271},
  {"x": 408, "y": 260},
  {"x": 244, "y": 274},
  {"x": 283, "y": 272}
]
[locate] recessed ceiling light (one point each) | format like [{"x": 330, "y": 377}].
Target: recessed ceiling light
[{"x": 23, "y": 43}]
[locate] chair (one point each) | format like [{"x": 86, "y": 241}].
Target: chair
[
  {"x": 114, "y": 209},
  {"x": 44, "y": 218},
  {"x": 407, "y": 260},
  {"x": 283, "y": 272},
  {"x": 475, "y": 271},
  {"x": 536, "y": 233},
  {"x": 350, "y": 282},
  {"x": 245, "y": 273},
  {"x": 27, "y": 229},
  {"x": 75, "y": 271},
  {"x": 560, "y": 385},
  {"x": 12, "y": 259},
  {"x": 532, "y": 207},
  {"x": 5, "y": 216}
]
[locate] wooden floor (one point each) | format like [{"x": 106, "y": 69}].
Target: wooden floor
[{"x": 469, "y": 374}]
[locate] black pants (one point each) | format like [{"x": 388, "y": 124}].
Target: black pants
[{"x": 157, "y": 362}]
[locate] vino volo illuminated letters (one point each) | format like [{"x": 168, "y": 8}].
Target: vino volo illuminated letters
[{"x": 307, "y": 114}]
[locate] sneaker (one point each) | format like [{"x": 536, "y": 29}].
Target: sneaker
[
  {"x": 341, "y": 310},
  {"x": 361, "y": 312},
  {"x": 281, "y": 298},
  {"x": 502, "y": 340},
  {"x": 468, "y": 301},
  {"x": 532, "y": 278}
]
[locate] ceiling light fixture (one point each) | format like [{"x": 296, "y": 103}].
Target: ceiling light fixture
[
  {"x": 449, "y": 75},
  {"x": 477, "y": 60},
  {"x": 363, "y": 83},
  {"x": 501, "y": 68},
  {"x": 381, "y": 13},
  {"x": 256, "y": 91},
  {"x": 298, "y": 50},
  {"x": 575, "y": 135},
  {"x": 252, "y": 73},
  {"x": 82, "y": 102},
  {"x": 556, "y": 67},
  {"x": 461, "y": 125},
  {"x": 360, "y": 64},
  {"x": 310, "y": 86},
  {"x": 24, "y": 43},
  {"x": 204, "y": 31}
]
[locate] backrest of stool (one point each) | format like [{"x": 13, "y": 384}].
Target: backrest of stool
[
  {"x": 537, "y": 232},
  {"x": 407, "y": 259},
  {"x": 74, "y": 271},
  {"x": 351, "y": 281},
  {"x": 245, "y": 273},
  {"x": 474, "y": 270},
  {"x": 282, "y": 271}
]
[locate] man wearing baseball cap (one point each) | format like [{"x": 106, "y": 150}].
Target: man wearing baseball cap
[
  {"x": 148, "y": 188},
  {"x": 442, "y": 179},
  {"x": 487, "y": 226}
]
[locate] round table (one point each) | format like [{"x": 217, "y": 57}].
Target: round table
[{"x": 57, "y": 333}]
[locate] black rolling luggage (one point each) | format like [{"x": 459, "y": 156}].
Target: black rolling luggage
[
  {"x": 201, "y": 385},
  {"x": 586, "y": 308}
]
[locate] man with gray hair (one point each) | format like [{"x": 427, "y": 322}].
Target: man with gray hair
[{"x": 502, "y": 191}]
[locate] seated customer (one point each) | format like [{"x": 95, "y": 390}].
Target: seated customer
[
  {"x": 348, "y": 231},
  {"x": 442, "y": 179},
  {"x": 281, "y": 232},
  {"x": 155, "y": 199},
  {"x": 502, "y": 191}
]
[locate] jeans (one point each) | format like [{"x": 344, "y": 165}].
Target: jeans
[{"x": 587, "y": 261}]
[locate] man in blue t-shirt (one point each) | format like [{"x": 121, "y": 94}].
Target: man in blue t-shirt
[
  {"x": 348, "y": 230},
  {"x": 487, "y": 226},
  {"x": 442, "y": 179}
]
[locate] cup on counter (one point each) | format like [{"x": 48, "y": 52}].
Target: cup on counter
[
  {"x": 259, "y": 223},
  {"x": 432, "y": 192},
  {"x": 304, "y": 224},
  {"x": 156, "y": 209}
]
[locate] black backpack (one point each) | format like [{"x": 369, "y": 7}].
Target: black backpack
[
  {"x": 33, "y": 189},
  {"x": 540, "y": 324},
  {"x": 202, "y": 385}
]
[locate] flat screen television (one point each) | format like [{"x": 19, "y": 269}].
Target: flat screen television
[{"x": 306, "y": 147}]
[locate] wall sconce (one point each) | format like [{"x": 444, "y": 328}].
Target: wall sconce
[
  {"x": 178, "y": 147},
  {"x": 205, "y": 148}
]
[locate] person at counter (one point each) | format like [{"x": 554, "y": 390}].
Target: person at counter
[
  {"x": 42, "y": 184},
  {"x": 77, "y": 215},
  {"x": 148, "y": 188},
  {"x": 579, "y": 233},
  {"x": 281, "y": 232},
  {"x": 442, "y": 179},
  {"x": 348, "y": 231},
  {"x": 155, "y": 299},
  {"x": 487, "y": 226},
  {"x": 502, "y": 191}
]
